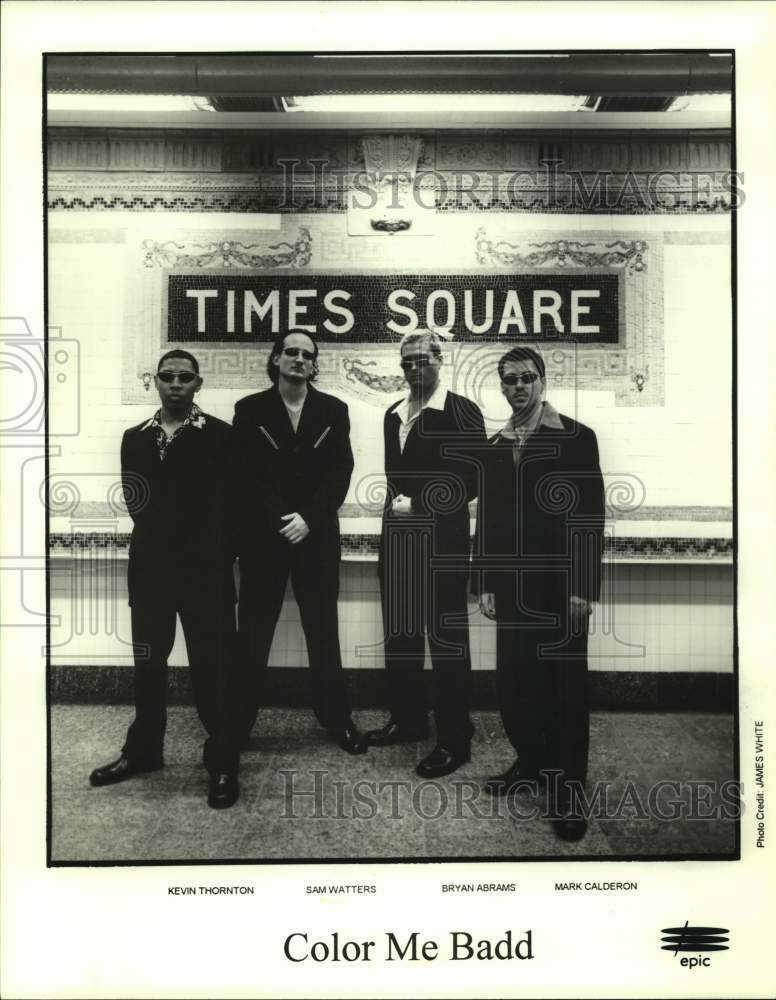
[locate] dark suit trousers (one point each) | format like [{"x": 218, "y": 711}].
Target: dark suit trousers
[
  {"x": 541, "y": 674},
  {"x": 314, "y": 572},
  {"x": 210, "y": 635},
  {"x": 419, "y": 602}
]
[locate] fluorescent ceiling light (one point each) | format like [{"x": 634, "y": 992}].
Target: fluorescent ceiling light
[
  {"x": 127, "y": 102},
  {"x": 434, "y": 102},
  {"x": 454, "y": 55}
]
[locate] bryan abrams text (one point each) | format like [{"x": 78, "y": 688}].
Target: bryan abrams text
[{"x": 407, "y": 947}]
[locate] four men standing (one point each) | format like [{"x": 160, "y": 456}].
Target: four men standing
[{"x": 268, "y": 489}]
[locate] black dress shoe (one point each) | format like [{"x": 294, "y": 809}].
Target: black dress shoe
[
  {"x": 223, "y": 791},
  {"x": 515, "y": 775},
  {"x": 392, "y": 733},
  {"x": 120, "y": 770},
  {"x": 350, "y": 739},
  {"x": 570, "y": 828},
  {"x": 442, "y": 761}
]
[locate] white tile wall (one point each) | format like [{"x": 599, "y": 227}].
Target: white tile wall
[
  {"x": 681, "y": 451},
  {"x": 653, "y": 618},
  {"x": 665, "y": 618}
]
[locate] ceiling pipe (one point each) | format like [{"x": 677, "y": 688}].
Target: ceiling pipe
[{"x": 669, "y": 74}]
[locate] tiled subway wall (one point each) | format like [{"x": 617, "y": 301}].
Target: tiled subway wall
[
  {"x": 657, "y": 450},
  {"x": 656, "y": 408},
  {"x": 652, "y": 618}
]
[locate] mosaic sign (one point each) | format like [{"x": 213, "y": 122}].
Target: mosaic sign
[{"x": 247, "y": 308}]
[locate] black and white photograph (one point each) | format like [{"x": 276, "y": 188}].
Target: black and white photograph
[
  {"x": 378, "y": 459},
  {"x": 415, "y": 359}
]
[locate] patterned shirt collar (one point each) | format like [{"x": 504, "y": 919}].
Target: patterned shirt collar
[{"x": 195, "y": 418}]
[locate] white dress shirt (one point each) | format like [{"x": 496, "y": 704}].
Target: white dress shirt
[{"x": 436, "y": 401}]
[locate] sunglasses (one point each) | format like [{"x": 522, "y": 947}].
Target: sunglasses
[
  {"x": 294, "y": 352},
  {"x": 422, "y": 361},
  {"x": 527, "y": 378},
  {"x": 184, "y": 377}
]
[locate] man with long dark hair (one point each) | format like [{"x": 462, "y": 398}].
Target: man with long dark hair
[{"x": 294, "y": 464}]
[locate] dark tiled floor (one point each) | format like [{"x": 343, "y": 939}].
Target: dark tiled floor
[{"x": 373, "y": 806}]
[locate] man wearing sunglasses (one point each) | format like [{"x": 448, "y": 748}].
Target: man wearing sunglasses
[
  {"x": 176, "y": 471},
  {"x": 433, "y": 438},
  {"x": 540, "y": 536},
  {"x": 294, "y": 465}
]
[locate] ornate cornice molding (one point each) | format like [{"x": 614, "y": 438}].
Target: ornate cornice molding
[{"x": 170, "y": 150}]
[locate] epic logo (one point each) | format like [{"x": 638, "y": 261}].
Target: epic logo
[
  {"x": 693, "y": 963},
  {"x": 697, "y": 939}
]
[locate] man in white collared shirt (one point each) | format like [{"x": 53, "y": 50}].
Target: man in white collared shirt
[
  {"x": 409, "y": 409},
  {"x": 433, "y": 441}
]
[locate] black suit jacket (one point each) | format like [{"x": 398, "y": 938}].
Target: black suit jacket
[
  {"x": 439, "y": 470},
  {"x": 281, "y": 471},
  {"x": 182, "y": 546},
  {"x": 540, "y": 524}
]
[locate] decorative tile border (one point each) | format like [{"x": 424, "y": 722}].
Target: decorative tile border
[
  {"x": 669, "y": 548},
  {"x": 78, "y": 540},
  {"x": 366, "y": 546},
  {"x": 444, "y": 192}
]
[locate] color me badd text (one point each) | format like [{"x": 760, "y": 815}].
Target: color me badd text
[{"x": 404, "y": 947}]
